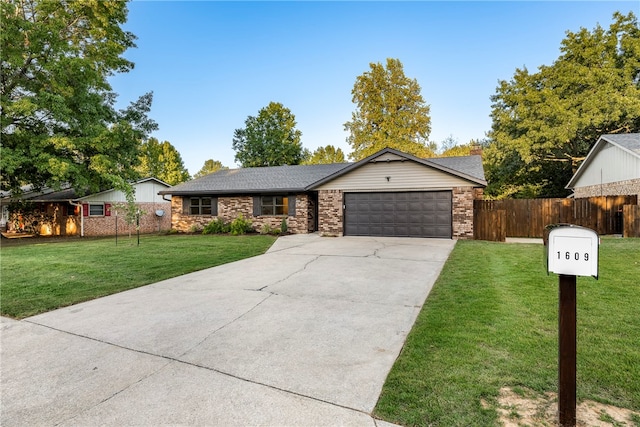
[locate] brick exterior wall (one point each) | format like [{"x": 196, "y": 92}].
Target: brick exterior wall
[
  {"x": 330, "y": 212},
  {"x": 149, "y": 222},
  {"x": 621, "y": 188},
  {"x": 462, "y": 200},
  {"x": 229, "y": 207}
]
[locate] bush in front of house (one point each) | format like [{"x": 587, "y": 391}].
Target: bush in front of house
[
  {"x": 266, "y": 229},
  {"x": 240, "y": 225},
  {"x": 217, "y": 226}
]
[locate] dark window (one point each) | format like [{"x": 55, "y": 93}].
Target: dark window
[
  {"x": 96, "y": 210},
  {"x": 200, "y": 206},
  {"x": 274, "y": 205}
]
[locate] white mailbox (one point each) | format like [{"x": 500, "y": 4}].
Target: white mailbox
[{"x": 573, "y": 251}]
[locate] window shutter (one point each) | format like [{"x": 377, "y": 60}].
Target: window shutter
[
  {"x": 292, "y": 204},
  {"x": 85, "y": 209},
  {"x": 256, "y": 206},
  {"x": 186, "y": 201},
  {"x": 107, "y": 209},
  {"x": 214, "y": 206}
]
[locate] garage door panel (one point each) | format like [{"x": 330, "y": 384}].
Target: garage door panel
[{"x": 417, "y": 214}]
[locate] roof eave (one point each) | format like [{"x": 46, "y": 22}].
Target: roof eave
[{"x": 232, "y": 192}]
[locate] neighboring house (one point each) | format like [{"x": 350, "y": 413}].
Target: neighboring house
[
  {"x": 612, "y": 168},
  {"x": 63, "y": 213},
  {"x": 390, "y": 193}
]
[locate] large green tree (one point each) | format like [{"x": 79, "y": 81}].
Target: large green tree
[
  {"x": 545, "y": 123},
  {"x": 390, "y": 113},
  {"x": 58, "y": 123},
  {"x": 269, "y": 139},
  {"x": 210, "y": 166},
  {"x": 325, "y": 155},
  {"x": 161, "y": 160}
]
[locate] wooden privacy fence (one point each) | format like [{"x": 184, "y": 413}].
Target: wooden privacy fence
[
  {"x": 528, "y": 217},
  {"x": 631, "y": 220}
]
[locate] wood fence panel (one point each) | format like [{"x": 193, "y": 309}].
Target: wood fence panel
[
  {"x": 489, "y": 224},
  {"x": 631, "y": 215},
  {"x": 529, "y": 217}
]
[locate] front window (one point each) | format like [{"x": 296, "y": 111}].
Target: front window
[
  {"x": 96, "y": 210},
  {"x": 200, "y": 206},
  {"x": 274, "y": 205}
]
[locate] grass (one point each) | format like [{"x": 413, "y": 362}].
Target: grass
[
  {"x": 45, "y": 275},
  {"x": 491, "y": 321}
]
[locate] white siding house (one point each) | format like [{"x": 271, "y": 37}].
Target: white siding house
[{"x": 612, "y": 168}]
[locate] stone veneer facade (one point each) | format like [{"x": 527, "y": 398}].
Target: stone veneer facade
[
  {"x": 149, "y": 222},
  {"x": 621, "y": 188},
  {"x": 330, "y": 213},
  {"x": 229, "y": 207}
]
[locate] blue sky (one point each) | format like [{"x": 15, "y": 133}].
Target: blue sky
[{"x": 211, "y": 64}]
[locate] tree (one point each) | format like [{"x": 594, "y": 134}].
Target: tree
[
  {"x": 162, "y": 161},
  {"x": 269, "y": 139},
  {"x": 390, "y": 113},
  {"x": 58, "y": 123},
  {"x": 545, "y": 123},
  {"x": 210, "y": 166},
  {"x": 325, "y": 155}
]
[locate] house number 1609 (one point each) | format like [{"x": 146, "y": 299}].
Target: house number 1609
[{"x": 576, "y": 256}]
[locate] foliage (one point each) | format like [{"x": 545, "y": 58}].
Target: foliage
[
  {"x": 195, "y": 229},
  {"x": 210, "y": 166},
  {"x": 269, "y": 139},
  {"x": 325, "y": 155},
  {"x": 545, "y": 123},
  {"x": 131, "y": 211},
  {"x": 217, "y": 226},
  {"x": 454, "y": 149},
  {"x": 283, "y": 226},
  {"x": 390, "y": 113},
  {"x": 491, "y": 321},
  {"x": 58, "y": 123},
  {"x": 42, "y": 275},
  {"x": 162, "y": 161},
  {"x": 240, "y": 225}
]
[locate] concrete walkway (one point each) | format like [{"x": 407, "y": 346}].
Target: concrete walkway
[{"x": 303, "y": 335}]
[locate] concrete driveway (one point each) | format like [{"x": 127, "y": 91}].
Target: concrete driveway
[{"x": 303, "y": 335}]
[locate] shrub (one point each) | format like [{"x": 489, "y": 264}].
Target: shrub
[
  {"x": 266, "y": 229},
  {"x": 275, "y": 231},
  {"x": 241, "y": 226},
  {"x": 284, "y": 226},
  {"x": 195, "y": 228},
  {"x": 217, "y": 226}
]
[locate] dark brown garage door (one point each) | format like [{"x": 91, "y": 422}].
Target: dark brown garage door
[{"x": 405, "y": 214}]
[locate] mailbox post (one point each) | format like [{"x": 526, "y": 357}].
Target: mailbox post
[{"x": 571, "y": 251}]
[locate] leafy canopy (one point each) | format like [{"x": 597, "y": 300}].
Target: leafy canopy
[
  {"x": 325, "y": 155},
  {"x": 390, "y": 112},
  {"x": 269, "y": 139},
  {"x": 162, "y": 161},
  {"x": 210, "y": 166},
  {"x": 545, "y": 123},
  {"x": 58, "y": 123}
]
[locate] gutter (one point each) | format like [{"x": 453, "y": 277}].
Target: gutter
[{"x": 71, "y": 202}]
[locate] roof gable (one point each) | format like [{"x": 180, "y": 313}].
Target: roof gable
[
  {"x": 629, "y": 144},
  {"x": 468, "y": 168}
]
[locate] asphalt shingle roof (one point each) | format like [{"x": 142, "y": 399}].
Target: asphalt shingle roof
[
  {"x": 630, "y": 141},
  {"x": 274, "y": 178},
  {"x": 303, "y": 177}
]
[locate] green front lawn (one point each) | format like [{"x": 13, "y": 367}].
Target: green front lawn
[
  {"x": 491, "y": 321},
  {"x": 40, "y": 276}
]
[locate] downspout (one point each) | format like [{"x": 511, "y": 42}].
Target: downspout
[{"x": 81, "y": 217}]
